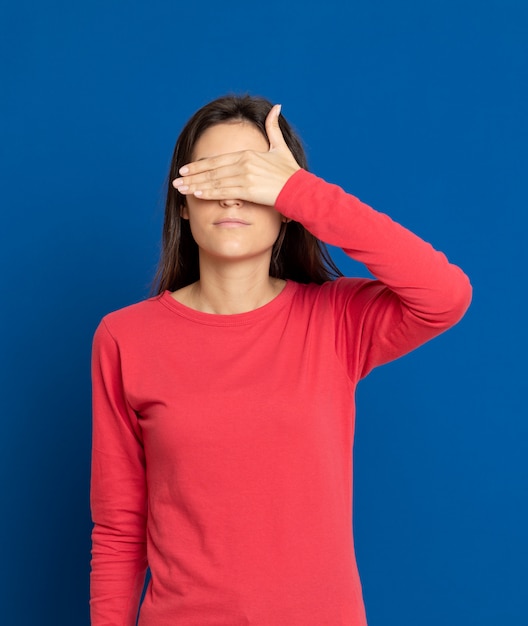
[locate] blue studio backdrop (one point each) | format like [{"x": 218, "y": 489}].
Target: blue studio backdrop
[{"x": 419, "y": 109}]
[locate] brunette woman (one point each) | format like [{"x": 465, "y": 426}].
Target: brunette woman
[{"x": 224, "y": 405}]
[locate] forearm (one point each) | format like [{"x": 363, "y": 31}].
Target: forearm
[
  {"x": 428, "y": 285},
  {"x": 118, "y": 570}
]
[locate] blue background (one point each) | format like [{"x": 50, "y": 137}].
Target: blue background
[{"x": 418, "y": 108}]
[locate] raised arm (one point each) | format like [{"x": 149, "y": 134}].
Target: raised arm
[{"x": 418, "y": 293}]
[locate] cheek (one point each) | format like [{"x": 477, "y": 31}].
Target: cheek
[
  {"x": 194, "y": 208},
  {"x": 275, "y": 221}
]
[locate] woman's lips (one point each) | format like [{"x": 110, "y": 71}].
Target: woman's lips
[{"x": 231, "y": 222}]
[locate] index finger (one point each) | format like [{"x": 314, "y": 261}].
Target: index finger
[{"x": 209, "y": 163}]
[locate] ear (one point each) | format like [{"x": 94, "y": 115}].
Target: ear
[{"x": 184, "y": 211}]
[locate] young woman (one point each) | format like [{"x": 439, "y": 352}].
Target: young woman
[{"x": 223, "y": 407}]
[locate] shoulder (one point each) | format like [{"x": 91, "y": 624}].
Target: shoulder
[{"x": 131, "y": 319}]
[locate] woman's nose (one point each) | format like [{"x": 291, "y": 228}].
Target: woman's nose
[{"x": 226, "y": 204}]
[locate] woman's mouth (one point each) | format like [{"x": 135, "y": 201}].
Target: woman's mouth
[{"x": 230, "y": 222}]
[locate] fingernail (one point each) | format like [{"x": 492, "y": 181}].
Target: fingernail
[
  {"x": 183, "y": 188},
  {"x": 177, "y": 182},
  {"x": 279, "y": 110},
  {"x": 184, "y": 170},
  {"x": 198, "y": 193}
]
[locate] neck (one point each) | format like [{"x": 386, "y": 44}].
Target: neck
[{"x": 227, "y": 289}]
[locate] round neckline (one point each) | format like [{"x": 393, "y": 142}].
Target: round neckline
[{"x": 234, "y": 319}]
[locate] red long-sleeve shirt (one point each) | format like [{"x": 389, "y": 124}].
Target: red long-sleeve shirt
[{"x": 222, "y": 444}]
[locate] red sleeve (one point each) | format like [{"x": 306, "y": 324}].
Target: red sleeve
[
  {"x": 417, "y": 295},
  {"x": 118, "y": 494}
]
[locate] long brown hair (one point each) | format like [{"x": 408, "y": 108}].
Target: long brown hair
[{"x": 297, "y": 255}]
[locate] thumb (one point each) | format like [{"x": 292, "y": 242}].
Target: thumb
[{"x": 273, "y": 130}]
